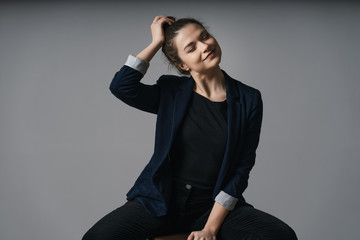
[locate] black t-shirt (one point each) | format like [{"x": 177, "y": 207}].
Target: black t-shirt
[{"x": 198, "y": 148}]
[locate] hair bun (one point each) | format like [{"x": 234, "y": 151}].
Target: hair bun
[
  {"x": 172, "y": 18},
  {"x": 166, "y": 25}
]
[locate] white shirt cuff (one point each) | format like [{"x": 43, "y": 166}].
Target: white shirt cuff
[
  {"x": 137, "y": 64},
  {"x": 226, "y": 200}
]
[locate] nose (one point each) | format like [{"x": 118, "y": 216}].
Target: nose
[{"x": 204, "y": 47}]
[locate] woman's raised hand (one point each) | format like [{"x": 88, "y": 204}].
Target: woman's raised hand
[
  {"x": 158, "y": 38},
  {"x": 157, "y": 30}
]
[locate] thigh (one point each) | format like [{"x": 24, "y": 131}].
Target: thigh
[
  {"x": 130, "y": 221},
  {"x": 251, "y": 223}
]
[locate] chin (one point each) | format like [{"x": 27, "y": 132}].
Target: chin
[
  {"x": 219, "y": 53},
  {"x": 218, "y": 60}
]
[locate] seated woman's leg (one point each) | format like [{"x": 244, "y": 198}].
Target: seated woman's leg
[
  {"x": 250, "y": 224},
  {"x": 130, "y": 221}
]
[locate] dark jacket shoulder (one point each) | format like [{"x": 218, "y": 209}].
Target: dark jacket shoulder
[{"x": 172, "y": 80}]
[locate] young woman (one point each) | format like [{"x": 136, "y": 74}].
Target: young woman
[{"x": 207, "y": 131}]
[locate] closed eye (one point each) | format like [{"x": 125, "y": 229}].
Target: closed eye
[
  {"x": 204, "y": 35},
  {"x": 191, "y": 49}
]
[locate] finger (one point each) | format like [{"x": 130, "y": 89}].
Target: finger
[
  {"x": 191, "y": 236},
  {"x": 169, "y": 19},
  {"x": 197, "y": 237},
  {"x": 163, "y": 18},
  {"x": 162, "y": 21},
  {"x": 157, "y": 18}
]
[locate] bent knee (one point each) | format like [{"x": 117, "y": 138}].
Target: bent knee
[
  {"x": 98, "y": 232},
  {"x": 283, "y": 232},
  {"x": 289, "y": 234},
  {"x": 90, "y": 235},
  {"x": 259, "y": 232}
]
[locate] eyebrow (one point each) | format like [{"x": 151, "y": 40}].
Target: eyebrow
[{"x": 191, "y": 43}]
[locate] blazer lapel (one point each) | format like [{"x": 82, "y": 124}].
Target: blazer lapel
[
  {"x": 234, "y": 127},
  {"x": 181, "y": 102}
]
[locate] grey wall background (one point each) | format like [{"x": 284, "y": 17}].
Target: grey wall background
[{"x": 69, "y": 150}]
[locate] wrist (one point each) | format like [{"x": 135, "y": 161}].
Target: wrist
[
  {"x": 156, "y": 44},
  {"x": 212, "y": 231}
]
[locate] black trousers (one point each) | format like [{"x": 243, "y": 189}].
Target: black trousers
[{"x": 189, "y": 212}]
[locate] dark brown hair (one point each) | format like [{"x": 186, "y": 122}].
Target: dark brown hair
[{"x": 171, "y": 31}]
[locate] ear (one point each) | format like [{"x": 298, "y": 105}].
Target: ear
[{"x": 183, "y": 66}]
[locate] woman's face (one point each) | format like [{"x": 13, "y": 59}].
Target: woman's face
[{"x": 197, "y": 49}]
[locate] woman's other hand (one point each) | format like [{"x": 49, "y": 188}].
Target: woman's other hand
[
  {"x": 158, "y": 38},
  {"x": 201, "y": 235},
  {"x": 157, "y": 31}
]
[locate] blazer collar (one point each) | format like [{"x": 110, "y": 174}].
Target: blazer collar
[{"x": 231, "y": 90}]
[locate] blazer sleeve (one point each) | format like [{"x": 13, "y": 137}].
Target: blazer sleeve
[
  {"x": 238, "y": 178},
  {"x": 127, "y": 87}
]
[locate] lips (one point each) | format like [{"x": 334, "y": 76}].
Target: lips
[{"x": 212, "y": 51}]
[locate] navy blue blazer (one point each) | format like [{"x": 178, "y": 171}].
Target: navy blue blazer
[{"x": 169, "y": 98}]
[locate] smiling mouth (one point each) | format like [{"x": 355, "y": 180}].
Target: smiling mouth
[{"x": 212, "y": 51}]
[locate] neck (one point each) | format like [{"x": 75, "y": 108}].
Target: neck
[{"x": 210, "y": 84}]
